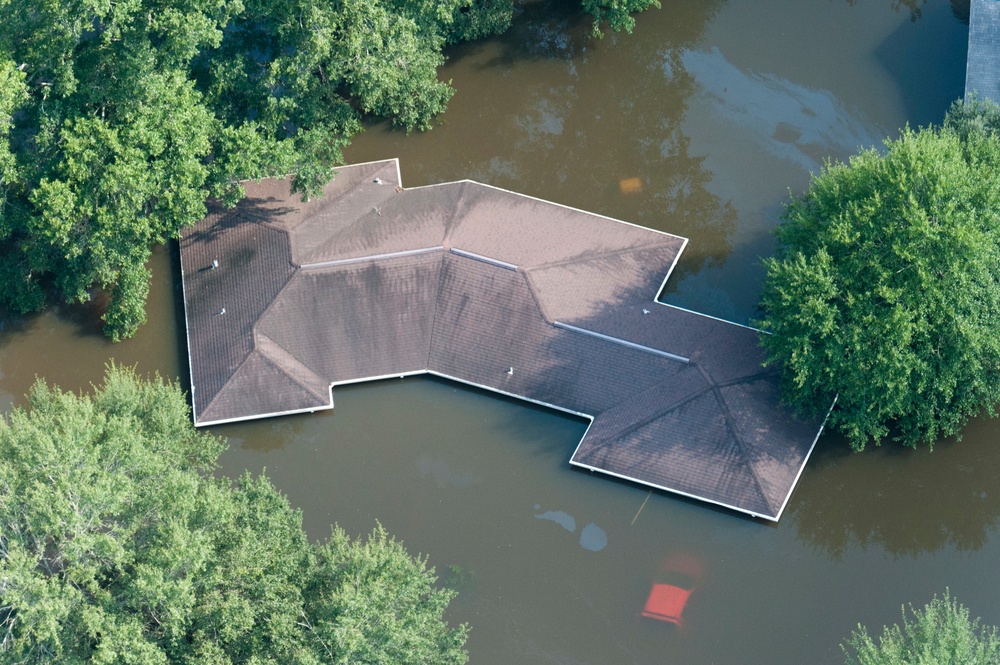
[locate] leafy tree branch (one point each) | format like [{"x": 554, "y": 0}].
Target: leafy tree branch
[{"x": 940, "y": 633}]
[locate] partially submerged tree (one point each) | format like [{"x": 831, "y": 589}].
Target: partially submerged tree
[
  {"x": 119, "y": 119},
  {"x": 118, "y": 545},
  {"x": 939, "y": 634},
  {"x": 885, "y": 292},
  {"x": 112, "y": 145},
  {"x": 617, "y": 13}
]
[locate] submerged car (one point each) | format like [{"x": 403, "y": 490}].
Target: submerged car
[{"x": 677, "y": 579}]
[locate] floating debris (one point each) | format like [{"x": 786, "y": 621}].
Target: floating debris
[{"x": 630, "y": 185}]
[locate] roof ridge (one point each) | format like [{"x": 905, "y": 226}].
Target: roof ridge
[
  {"x": 280, "y": 365},
  {"x": 226, "y": 384},
  {"x": 731, "y": 425},
  {"x": 451, "y": 224},
  {"x": 274, "y": 301},
  {"x": 251, "y": 322},
  {"x": 434, "y": 313},
  {"x": 253, "y": 328},
  {"x": 590, "y": 257},
  {"x": 357, "y": 182},
  {"x": 343, "y": 201},
  {"x": 534, "y": 297},
  {"x": 657, "y": 413}
]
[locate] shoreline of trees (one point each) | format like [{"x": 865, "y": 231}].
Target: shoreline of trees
[{"x": 119, "y": 120}]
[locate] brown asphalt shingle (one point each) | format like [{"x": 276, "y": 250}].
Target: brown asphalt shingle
[{"x": 494, "y": 289}]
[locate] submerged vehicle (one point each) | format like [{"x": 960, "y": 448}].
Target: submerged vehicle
[{"x": 677, "y": 579}]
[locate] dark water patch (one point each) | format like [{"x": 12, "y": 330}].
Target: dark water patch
[{"x": 929, "y": 90}]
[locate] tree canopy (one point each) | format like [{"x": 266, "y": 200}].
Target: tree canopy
[
  {"x": 939, "y": 634},
  {"x": 117, "y": 545},
  {"x": 119, "y": 119},
  {"x": 885, "y": 291}
]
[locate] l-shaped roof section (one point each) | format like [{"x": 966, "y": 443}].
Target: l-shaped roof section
[{"x": 285, "y": 299}]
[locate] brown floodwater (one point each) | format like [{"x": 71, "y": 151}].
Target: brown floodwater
[{"x": 699, "y": 123}]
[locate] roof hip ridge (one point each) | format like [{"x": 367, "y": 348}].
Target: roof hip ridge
[{"x": 740, "y": 442}]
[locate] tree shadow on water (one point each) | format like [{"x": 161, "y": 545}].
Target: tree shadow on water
[
  {"x": 544, "y": 430},
  {"x": 928, "y": 91},
  {"x": 84, "y": 319},
  {"x": 547, "y": 30},
  {"x": 561, "y": 30}
]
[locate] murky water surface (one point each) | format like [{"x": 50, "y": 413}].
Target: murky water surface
[{"x": 699, "y": 124}]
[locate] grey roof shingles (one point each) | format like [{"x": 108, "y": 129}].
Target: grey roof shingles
[
  {"x": 982, "y": 72},
  {"x": 470, "y": 282}
]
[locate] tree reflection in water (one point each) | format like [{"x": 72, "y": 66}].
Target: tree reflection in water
[
  {"x": 908, "y": 502},
  {"x": 622, "y": 98}
]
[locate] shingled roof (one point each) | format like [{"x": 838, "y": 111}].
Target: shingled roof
[
  {"x": 982, "y": 67},
  {"x": 285, "y": 299}
]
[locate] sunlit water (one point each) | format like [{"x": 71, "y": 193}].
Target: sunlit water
[{"x": 699, "y": 124}]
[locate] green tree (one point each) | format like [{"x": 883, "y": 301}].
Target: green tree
[
  {"x": 480, "y": 18},
  {"x": 12, "y": 95},
  {"x": 974, "y": 115},
  {"x": 885, "y": 291},
  {"x": 111, "y": 145},
  {"x": 617, "y": 13},
  {"x": 118, "y": 545},
  {"x": 939, "y": 634}
]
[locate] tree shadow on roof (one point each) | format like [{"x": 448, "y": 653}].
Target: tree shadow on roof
[
  {"x": 248, "y": 210},
  {"x": 711, "y": 427}
]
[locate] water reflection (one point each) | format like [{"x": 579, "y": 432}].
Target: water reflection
[
  {"x": 790, "y": 121},
  {"x": 751, "y": 122},
  {"x": 961, "y": 10},
  {"x": 913, "y": 6},
  {"x": 65, "y": 346},
  {"x": 907, "y": 502},
  {"x": 682, "y": 193},
  {"x": 543, "y": 30},
  {"x": 592, "y": 537},
  {"x": 588, "y": 117},
  {"x": 268, "y": 435}
]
